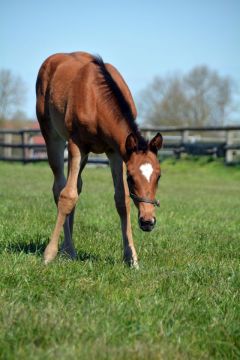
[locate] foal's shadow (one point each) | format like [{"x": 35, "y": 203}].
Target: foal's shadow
[
  {"x": 37, "y": 248},
  {"x": 32, "y": 247}
]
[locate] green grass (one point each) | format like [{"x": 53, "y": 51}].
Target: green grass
[{"x": 184, "y": 301}]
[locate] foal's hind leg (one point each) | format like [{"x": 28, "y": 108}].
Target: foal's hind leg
[
  {"x": 122, "y": 202},
  {"x": 67, "y": 200}
]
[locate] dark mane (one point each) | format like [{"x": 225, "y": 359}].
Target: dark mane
[{"x": 113, "y": 91}]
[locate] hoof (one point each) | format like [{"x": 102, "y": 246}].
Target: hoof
[
  {"x": 49, "y": 255},
  {"x": 135, "y": 266},
  {"x": 132, "y": 263},
  {"x": 70, "y": 253},
  {"x": 130, "y": 258}
]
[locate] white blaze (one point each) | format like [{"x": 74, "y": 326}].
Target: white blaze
[{"x": 146, "y": 170}]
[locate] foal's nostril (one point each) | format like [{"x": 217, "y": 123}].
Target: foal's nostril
[
  {"x": 151, "y": 221},
  {"x": 147, "y": 225},
  {"x": 142, "y": 222}
]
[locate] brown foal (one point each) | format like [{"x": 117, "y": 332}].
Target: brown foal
[{"x": 86, "y": 103}]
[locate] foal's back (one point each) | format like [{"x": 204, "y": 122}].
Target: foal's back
[
  {"x": 54, "y": 87},
  {"x": 69, "y": 87},
  {"x": 64, "y": 66}
]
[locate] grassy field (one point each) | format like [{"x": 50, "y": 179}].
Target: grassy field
[{"x": 184, "y": 301}]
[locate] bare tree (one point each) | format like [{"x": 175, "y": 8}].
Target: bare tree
[
  {"x": 12, "y": 93},
  {"x": 201, "y": 97},
  {"x": 210, "y": 96}
]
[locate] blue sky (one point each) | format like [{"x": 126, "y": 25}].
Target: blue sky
[{"x": 141, "y": 38}]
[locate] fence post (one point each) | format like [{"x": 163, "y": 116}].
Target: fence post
[
  {"x": 184, "y": 140},
  {"x": 24, "y": 142},
  {"x": 7, "y": 150},
  {"x": 185, "y": 136},
  {"x": 229, "y": 152},
  {"x": 147, "y": 134}
]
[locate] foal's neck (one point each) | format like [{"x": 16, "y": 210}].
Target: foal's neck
[{"x": 119, "y": 132}]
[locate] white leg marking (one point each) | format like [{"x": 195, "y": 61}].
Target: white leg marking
[{"x": 146, "y": 170}]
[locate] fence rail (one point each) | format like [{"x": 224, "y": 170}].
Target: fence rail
[{"x": 23, "y": 145}]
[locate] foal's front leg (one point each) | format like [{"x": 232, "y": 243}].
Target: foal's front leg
[
  {"x": 68, "y": 245},
  {"x": 122, "y": 201},
  {"x": 67, "y": 200}
]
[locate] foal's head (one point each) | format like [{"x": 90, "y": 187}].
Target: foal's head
[{"x": 143, "y": 174}]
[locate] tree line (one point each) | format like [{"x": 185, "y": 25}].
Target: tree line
[
  {"x": 12, "y": 95},
  {"x": 200, "y": 97}
]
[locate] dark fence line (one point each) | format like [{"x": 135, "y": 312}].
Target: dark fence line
[
  {"x": 191, "y": 128},
  {"x": 217, "y": 141},
  {"x": 212, "y": 140},
  {"x": 144, "y": 129}
]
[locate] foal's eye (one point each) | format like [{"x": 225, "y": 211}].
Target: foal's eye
[{"x": 158, "y": 178}]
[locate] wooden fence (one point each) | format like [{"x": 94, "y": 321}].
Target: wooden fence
[{"x": 27, "y": 145}]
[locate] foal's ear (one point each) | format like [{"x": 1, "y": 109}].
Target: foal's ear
[
  {"x": 131, "y": 143},
  {"x": 156, "y": 143}
]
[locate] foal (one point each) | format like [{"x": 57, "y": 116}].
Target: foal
[{"x": 86, "y": 103}]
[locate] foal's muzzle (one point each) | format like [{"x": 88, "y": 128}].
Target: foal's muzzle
[{"x": 147, "y": 225}]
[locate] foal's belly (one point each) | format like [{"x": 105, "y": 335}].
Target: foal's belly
[
  {"x": 92, "y": 141},
  {"x": 100, "y": 148}
]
